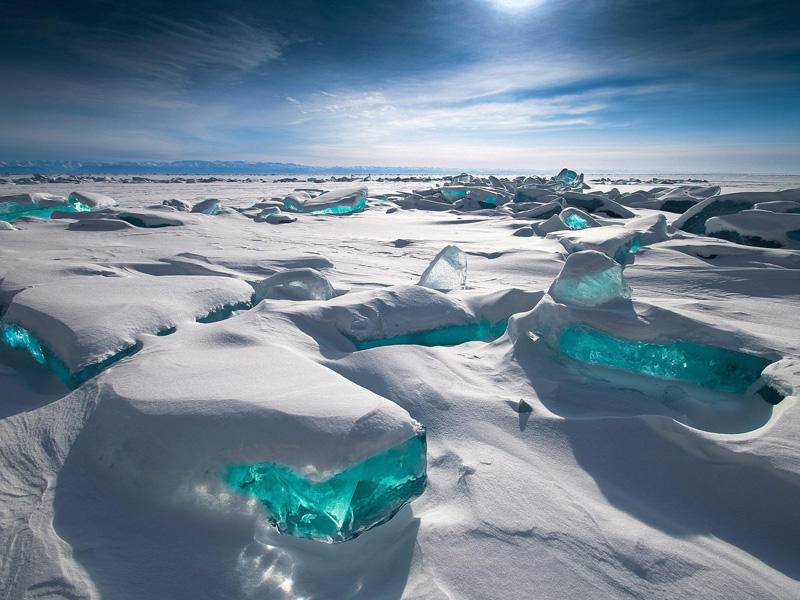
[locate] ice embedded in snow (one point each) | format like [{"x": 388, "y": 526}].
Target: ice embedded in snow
[
  {"x": 210, "y": 206},
  {"x": 694, "y": 219},
  {"x": 779, "y": 206},
  {"x": 177, "y": 204},
  {"x": 589, "y": 278},
  {"x": 715, "y": 368},
  {"x": 617, "y": 242},
  {"x": 37, "y": 205},
  {"x": 341, "y": 507},
  {"x": 294, "y": 284},
  {"x": 447, "y": 271}
]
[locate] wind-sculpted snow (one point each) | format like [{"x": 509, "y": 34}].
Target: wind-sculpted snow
[{"x": 609, "y": 411}]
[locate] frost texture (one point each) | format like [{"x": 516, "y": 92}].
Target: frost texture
[
  {"x": 447, "y": 271},
  {"x": 714, "y": 368},
  {"x": 345, "y": 505}
]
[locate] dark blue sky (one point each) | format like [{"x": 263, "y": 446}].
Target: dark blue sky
[{"x": 628, "y": 85}]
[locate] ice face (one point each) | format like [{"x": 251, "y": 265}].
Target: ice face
[
  {"x": 575, "y": 221},
  {"x": 342, "y": 209},
  {"x": 589, "y": 278},
  {"x": 343, "y": 506},
  {"x": 20, "y": 338},
  {"x": 483, "y": 331},
  {"x": 715, "y": 368},
  {"x": 447, "y": 271},
  {"x": 11, "y": 212}
]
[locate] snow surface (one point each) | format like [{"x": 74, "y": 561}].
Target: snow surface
[{"x": 608, "y": 484}]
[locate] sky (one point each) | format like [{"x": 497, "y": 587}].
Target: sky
[{"x": 626, "y": 85}]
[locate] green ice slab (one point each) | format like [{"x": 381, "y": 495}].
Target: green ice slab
[
  {"x": 707, "y": 366},
  {"x": 343, "y": 506},
  {"x": 12, "y": 213},
  {"x": 482, "y": 331},
  {"x": 20, "y": 338}
]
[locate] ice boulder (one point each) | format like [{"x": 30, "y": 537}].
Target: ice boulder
[
  {"x": 589, "y": 278},
  {"x": 210, "y": 206},
  {"x": 6, "y": 226},
  {"x": 93, "y": 200},
  {"x": 337, "y": 202},
  {"x": 447, "y": 271},
  {"x": 651, "y": 229},
  {"x": 296, "y": 201},
  {"x": 295, "y": 284},
  {"x": 538, "y": 211},
  {"x": 761, "y": 228},
  {"x": 37, "y": 205}
]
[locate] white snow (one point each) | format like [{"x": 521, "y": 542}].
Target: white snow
[{"x": 611, "y": 485}]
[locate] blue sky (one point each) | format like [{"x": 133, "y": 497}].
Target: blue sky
[{"x": 523, "y": 84}]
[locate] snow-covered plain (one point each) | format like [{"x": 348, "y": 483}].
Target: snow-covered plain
[{"x": 548, "y": 477}]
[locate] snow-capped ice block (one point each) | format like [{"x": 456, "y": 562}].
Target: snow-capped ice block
[
  {"x": 270, "y": 210},
  {"x": 210, "y": 206},
  {"x": 451, "y": 335},
  {"x": 17, "y": 337},
  {"x": 761, "y": 228},
  {"x": 295, "y": 201},
  {"x": 337, "y": 202},
  {"x": 596, "y": 203},
  {"x": 85, "y": 320},
  {"x": 576, "y": 219},
  {"x": 715, "y": 368},
  {"x": 93, "y": 200},
  {"x": 617, "y": 242},
  {"x": 37, "y": 205},
  {"x": 6, "y": 226},
  {"x": 779, "y": 206},
  {"x": 294, "y": 284},
  {"x": 651, "y": 229},
  {"x": 343, "y": 506},
  {"x": 675, "y": 200},
  {"x": 589, "y": 278},
  {"x": 534, "y": 193},
  {"x": 539, "y": 211},
  {"x": 567, "y": 176},
  {"x": 150, "y": 219},
  {"x": 694, "y": 219},
  {"x": 177, "y": 204},
  {"x": 273, "y": 216},
  {"x": 208, "y": 407},
  {"x": 447, "y": 271}
]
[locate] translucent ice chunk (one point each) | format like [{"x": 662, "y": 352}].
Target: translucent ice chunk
[
  {"x": 589, "y": 278},
  {"x": 567, "y": 176},
  {"x": 18, "y": 337},
  {"x": 453, "y": 335},
  {"x": 295, "y": 284},
  {"x": 715, "y": 368},
  {"x": 447, "y": 271},
  {"x": 346, "y": 504}
]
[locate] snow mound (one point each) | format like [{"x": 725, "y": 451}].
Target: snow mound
[{"x": 294, "y": 284}]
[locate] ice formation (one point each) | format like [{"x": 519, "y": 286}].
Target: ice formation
[
  {"x": 93, "y": 200},
  {"x": 757, "y": 228},
  {"x": 447, "y": 271},
  {"x": 295, "y": 284},
  {"x": 589, "y": 278},
  {"x": 210, "y": 206},
  {"x": 576, "y": 219},
  {"x": 345, "y": 504},
  {"x": 451, "y": 335},
  {"x": 338, "y": 202},
  {"x": 715, "y": 368},
  {"x": 37, "y": 205}
]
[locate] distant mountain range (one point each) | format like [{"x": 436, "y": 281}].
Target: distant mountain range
[{"x": 194, "y": 167}]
